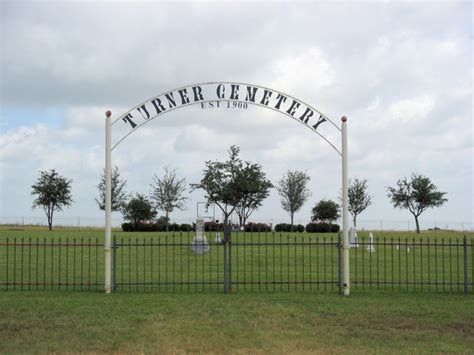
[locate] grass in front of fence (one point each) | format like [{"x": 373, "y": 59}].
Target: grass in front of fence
[
  {"x": 240, "y": 323},
  {"x": 260, "y": 262}
]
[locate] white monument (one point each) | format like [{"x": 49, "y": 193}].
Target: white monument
[
  {"x": 353, "y": 238},
  {"x": 370, "y": 245},
  {"x": 218, "y": 239},
  {"x": 199, "y": 244}
]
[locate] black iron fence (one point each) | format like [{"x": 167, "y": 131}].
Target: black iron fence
[
  {"x": 51, "y": 264},
  {"x": 424, "y": 264},
  {"x": 251, "y": 262}
]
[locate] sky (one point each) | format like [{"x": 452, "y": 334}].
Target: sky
[{"x": 400, "y": 71}]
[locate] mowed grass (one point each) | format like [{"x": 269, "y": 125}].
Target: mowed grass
[
  {"x": 242, "y": 322},
  {"x": 237, "y": 323}
]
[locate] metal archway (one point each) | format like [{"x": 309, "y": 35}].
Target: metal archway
[{"x": 226, "y": 92}]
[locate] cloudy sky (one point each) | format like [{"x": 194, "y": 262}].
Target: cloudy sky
[{"x": 400, "y": 71}]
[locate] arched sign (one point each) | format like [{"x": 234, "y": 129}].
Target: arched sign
[{"x": 227, "y": 94}]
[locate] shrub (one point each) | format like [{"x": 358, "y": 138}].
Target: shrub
[
  {"x": 283, "y": 227},
  {"x": 212, "y": 226},
  {"x": 174, "y": 227},
  {"x": 139, "y": 227},
  {"x": 335, "y": 228},
  {"x": 155, "y": 227},
  {"x": 257, "y": 227},
  {"x": 298, "y": 228},
  {"x": 184, "y": 227},
  {"x": 322, "y": 228}
]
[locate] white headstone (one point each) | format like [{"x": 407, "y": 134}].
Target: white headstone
[
  {"x": 370, "y": 245},
  {"x": 199, "y": 244},
  {"x": 218, "y": 237},
  {"x": 353, "y": 238}
]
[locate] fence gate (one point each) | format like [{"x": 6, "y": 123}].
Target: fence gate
[
  {"x": 213, "y": 94},
  {"x": 248, "y": 262}
]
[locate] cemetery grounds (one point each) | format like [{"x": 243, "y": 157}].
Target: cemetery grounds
[{"x": 255, "y": 317}]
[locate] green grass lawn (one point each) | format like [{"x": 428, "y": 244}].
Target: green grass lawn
[
  {"x": 237, "y": 323},
  {"x": 246, "y": 321}
]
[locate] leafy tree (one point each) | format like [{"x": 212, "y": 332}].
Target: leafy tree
[
  {"x": 53, "y": 192},
  {"x": 416, "y": 194},
  {"x": 119, "y": 196},
  {"x": 138, "y": 209},
  {"x": 325, "y": 211},
  {"x": 258, "y": 190},
  {"x": 167, "y": 193},
  {"x": 293, "y": 191},
  {"x": 359, "y": 199},
  {"x": 229, "y": 183}
]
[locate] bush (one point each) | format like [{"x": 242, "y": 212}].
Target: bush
[
  {"x": 257, "y": 227},
  {"x": 212, "y": 226},
  {"x": 283, "y": 227},
  {"x": 173, "y": 227},
  {"x": 322, "y": 228},
  {"x": 298, "y": 228},
  {"x": 335, "y": 228},
  {"x": 184, "y": 227},
  {"x": 140, "y": 227},
  {"x": 155, "y": 227}
]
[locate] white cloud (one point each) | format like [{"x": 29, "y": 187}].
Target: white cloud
[
  {"x": 373, "y": 105},
  {"x": 407, "y": 110},
  {"x": 397, "y": 70},
  {"x": 291, "y": 149},
  {"x": 310, "y": 66}
]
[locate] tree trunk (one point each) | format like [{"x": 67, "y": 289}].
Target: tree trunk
[
  {"x": 291, "y": 217},
  {"x": 167, "y": 222},
  {"x": 354, "y": 219},
  {"x": 226, "y": 228},
  {"x": 50, "y": 219},
  {"x": 417, "y": 225}
]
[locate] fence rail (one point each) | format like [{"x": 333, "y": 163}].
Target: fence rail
[
  {"x": 251, "y": 262},
  {"x": 413, "y": 264},
  {"x": 43, "y": 264}
]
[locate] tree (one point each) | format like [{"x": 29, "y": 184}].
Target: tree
[
  {"x": 167, "y": 193},
  {"x": 119, "y": 196},
  {"x": 416, "y": 195},
  {"x": 359, "y": 199},
  {"x": 293, "y": 191},
  {"x": 258, "y": 190},
  {"x": 228, "y": 184},
  {"x": 325, "y": 211},
  {"x": 138, "y": 209},
  {"x": 53, "y": 192}
]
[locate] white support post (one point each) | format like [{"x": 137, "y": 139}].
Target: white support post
[
  {"x": 108, "y": 200},
  {"x": 345, "y": 212}
]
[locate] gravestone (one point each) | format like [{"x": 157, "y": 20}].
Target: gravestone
[
  {"x": 199, "y": 244},
  {"x": 370, "y": 245},
  {"x": 218, "y": 239},
  {"x": 353, "y": 239}
]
